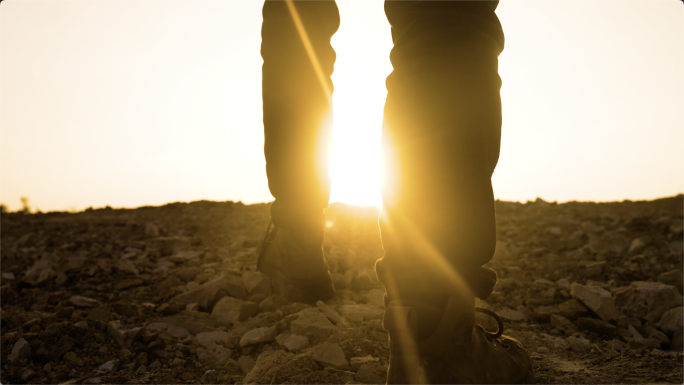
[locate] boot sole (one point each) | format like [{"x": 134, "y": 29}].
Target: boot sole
[{"x": 305, "y": 291}]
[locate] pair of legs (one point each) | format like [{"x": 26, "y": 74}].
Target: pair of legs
[{"x": 441, "y": 136}]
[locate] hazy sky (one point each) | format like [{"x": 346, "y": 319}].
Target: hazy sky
[{"x": 129, "y": 103}]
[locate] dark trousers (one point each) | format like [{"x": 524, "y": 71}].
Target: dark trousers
[{"x": 440, "y": 140}]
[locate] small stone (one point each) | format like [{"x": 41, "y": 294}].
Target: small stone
[
  {"x": 296, "y": 343},
  {"x": 597, "y": 299},
  {"x": 141, "y": 360},
  {"x": 61, "y": 279},
  {"x": 563, "y": 284},
  {"x": 192, "y": 307},
  {"x": 648, "y": 343},
  {"x": 177, "y": 362},
  {"x": 357, "y": 362},
  {"x": 246, "y": 364},
  {"x": 20, "y": 351},
  {"x": 578, "y": 344},
  {"x": 154, "y": 365},
  {"x": 511, "y": 315},
  {"x": 634, "y": 333},
  {"x": 73, "y": 359},
  {"x": 109, "y": 366},
  {"x": 616, "y": 345},
  {"x": 142, "y": 369},
  {"x": 673, "y": 277},
  {"x": 47, "y": 368},
  {"x": 231, "y": 310},
  {"x": 256, "y": 283},
  {"x": 209, "y": 377},
  {"x": 559, "y": 321},
  {"x": 643, "y": 297},
  {"x": 284, "y": 323},
  {"x": 599, "y": 327},
  {"x": 329, "y": 312},
  {"x": 282, "y": 337},
  {"x": 84, "y": 301},
  {"x": 126, "y": 309},
  {"x": 26, "y": 374},
  {"x": 123, "y": 336},
  {"x": 82, "y": 325},
  {"x": 214, "y": 356},
  {"x": 264, "y": 334},
  {"x": 672, "y": 321},
  {"x": 652, "y": 332},
  {"x": 39, "y": 272},
  {"x": 312, "y": 324},
  {"x": 93, "y": 380},
  {"x": 210, "y": 339},
  {"x": 330, "y": 355},
  {"x": 637, "y": 246},
  {"x": 540, "y": 295}
]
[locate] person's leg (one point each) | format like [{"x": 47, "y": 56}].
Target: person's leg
[
  {"x": 297, "y": 106},
  {"x": 441, "y": 140}
]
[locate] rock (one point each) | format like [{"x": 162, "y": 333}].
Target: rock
[
  {"x": 540, "y": 295},
  {"x": 232, "y": 366},
  {"x": 209, "y": 293},
  {"x": 673, "y": 278},
  {"x": 256, "y": 283},
  {"x": 123, "y": 336},
  {"x": 371, "y": 373},
  {"x": 214, "y": 356},
  {"x": 579, "y": 344},
  {"x": 26, "y": 374},
  {"x": 329, "y": 312},
  {"x": 84, "y": 301},
  {"x": 172, "y": 330},
  {"x": 111, "y": 366},
  {"x": 597, "y": 299},
  {"x": 193, "y": 322},
  {"x": 558, "y": 321},
  {"x": 376, "y": 297},
  {"x": 265, "y": 334},
  {"x": 282, "y": 337},
  {"x": 169, "y": 245},
  {"x": 312, "y": 324},
  {"x": 141, "y": 360},
  {"x": 593, "y": 268},
  {"x": 284, "y": 323},
  {"x": 294, "y": 308},
  {"x": 210, "y": 339},
  {"x": 542, "y": 350},
  {"x": 599, "y": 327},
  {"x": 296, "y": 343},
  {"x": 192, "y": 307},
  {"x": 637, "y": 246},
  {"x": 511, "y": 315},
  {"x": 652, "y": 332},
  {"x": 151, "y": 229},
  {"x": 73, "y": 359},
  {"x": 672, "y": 321},
  {"x": 572, "y": 309},
  {"x": 53, "y": 351},
  {"x": 617, "y": 345},
  {"x": 563, "y": 284},
  {"x": 92, "y": 380},
  {"x": 177, "y": 362},
  {"x": 270, "y": 303},
  {"x": 20, "y": 351},
  {"x": 231, "y": 310},
  {"x": 61, "y": 279},
  {"x": 633, "y": 332},
  {"x": 360, "y": 313},
  {"x": 39, "y": 272},
  {"x": 126, "y": 309},
  {"x": 181, "y": 256},
  {"x": 357, "y": 362},
  {"x": 246, "y": 364},
  {"x": 330, "y": 355},
  {"x": 643, "y": 297},
  {"x": 648, "y": 343}
]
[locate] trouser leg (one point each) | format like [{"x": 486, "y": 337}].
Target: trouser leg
[
  {"x": 297, "y": 107},
  {"x": 441, "y": 138}
]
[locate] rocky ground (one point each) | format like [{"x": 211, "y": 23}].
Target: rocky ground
[{"x": 170, "y": 295}]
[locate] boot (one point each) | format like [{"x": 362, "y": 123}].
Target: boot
[
  {"x": 294, "y": 261},
  {"x": 430, "y": 345}
]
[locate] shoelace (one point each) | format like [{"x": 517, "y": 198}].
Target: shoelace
[
  {"x": 270, "y": 234},
  {"x": 498, "y": 321}
]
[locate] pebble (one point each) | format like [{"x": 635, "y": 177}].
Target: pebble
[
  {"x": 296, "y": 343},
  {"x": 312, "y": 324},
  {"x": 360, "y": 313},
  {"x": 640, "y": 298},
  {"x": 330, "y": 355},
  {"x": 209, "y": 339},
  {"x": 84, "y": 301},
  {"x": 578, "y": 344},
  {"x": 20, "y": 351},
  {"x": 264, "y": 334},
  {"x": 231, "y": 310},
  {"x": 177, "y": 362},
  {"x": 246, "y": 364},
  {"x": 256, "y": 283},
  {"x": 597, "y": 299},
  {"x": 357, "y": 362},
  {"x": 672, "y": 321},
  {"x": 542, "y": 350},
  {"x": 73, "y": 359},
  {"x": 109, "y": 366},
  {"x": 329, "y": 312}
]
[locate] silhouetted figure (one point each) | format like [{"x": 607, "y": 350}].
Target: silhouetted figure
[{"x": 441, "y": 130}]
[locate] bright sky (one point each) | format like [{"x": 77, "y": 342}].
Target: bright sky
[{"x": 130, "y": 103}]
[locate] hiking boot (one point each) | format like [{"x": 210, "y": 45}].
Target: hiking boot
[
  {"x": 430, "y": 345},
  {"x": 294, "y": 262}
]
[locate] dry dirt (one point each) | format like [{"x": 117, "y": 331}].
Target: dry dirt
[{"x": 593, "y": 291}]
